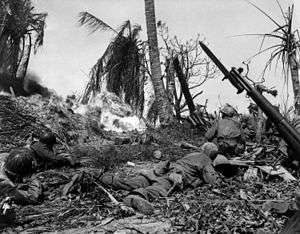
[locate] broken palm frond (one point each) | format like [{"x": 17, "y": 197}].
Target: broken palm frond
[
  {"x": 94, "y": 23},
  {"x": 119, "y": 69}
]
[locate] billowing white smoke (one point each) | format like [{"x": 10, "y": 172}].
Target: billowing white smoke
[{"x": 112, "y": 113}]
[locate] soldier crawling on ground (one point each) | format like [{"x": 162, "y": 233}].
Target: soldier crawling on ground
[
  {"x": 23, "y": 162},
  {"x": 227, "y": 133},
  {"x": 190, "y": 171}
]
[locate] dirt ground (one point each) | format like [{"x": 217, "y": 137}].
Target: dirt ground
[{"x": 73, "y": 202}]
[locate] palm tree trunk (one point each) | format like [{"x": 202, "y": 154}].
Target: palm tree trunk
[
  {"x": 15, "y": 57},
  {"x": 165, "y": 109},
  {"x": 4, "y": 62},
  {"x": 24, "y": 61},
  {"x": 295, "y": 81},
  {"x": 170, "y": 80}
]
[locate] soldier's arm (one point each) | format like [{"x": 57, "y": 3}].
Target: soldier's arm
[
  {"x": 211, "y": 133},
  {"x": 49, "y": 156},
  {"x": 210, "y": 176},
  {"x": 29, "y": 196}
]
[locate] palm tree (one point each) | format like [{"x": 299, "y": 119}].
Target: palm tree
[
  {"x": 120, "y": 65},
  {"x": 286, "y": 50},
  {"x": 165, "y": 109},
  {"x": 21, "y": 32}
]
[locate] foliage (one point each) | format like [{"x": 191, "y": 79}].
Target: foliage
[
  {"x": 196, "y": 67},
  {"x": 288, "y": 43},
  {"x": 120, "y": 65},
  {"x": 21, "y": 32}
]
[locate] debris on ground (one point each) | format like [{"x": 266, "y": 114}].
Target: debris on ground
[{"x": 256, "y": 196}]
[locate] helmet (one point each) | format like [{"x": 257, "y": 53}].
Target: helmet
[
  {"x": 210, "y": 149},
  {"x": 228, "y": 110},
  {"x": 19, "y": 162},
  {"x": 220, "y": 160},
  {"x": 48, "y": 138}
]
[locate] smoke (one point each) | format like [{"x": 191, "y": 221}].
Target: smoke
[
  {"x": 28, "y": 86},
  {"x": 32, "y": 85}
]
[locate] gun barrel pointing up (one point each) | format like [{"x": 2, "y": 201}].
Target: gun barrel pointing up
[
  {"x": 290, "y": 135},
  {"x": 210, "y": 54}
]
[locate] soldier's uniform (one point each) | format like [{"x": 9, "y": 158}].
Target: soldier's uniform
[
  {"x": 195, "y": 169},
  {"x": 227, "y": 133},
  {"x": 23, "y": 162},
  {"x": 9, "y": 189},
  {"x": 45, "y": 156},
  {"x": 39, "y": 156}
]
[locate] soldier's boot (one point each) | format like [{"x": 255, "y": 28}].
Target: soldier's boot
[{"x": 139, "y": 203}]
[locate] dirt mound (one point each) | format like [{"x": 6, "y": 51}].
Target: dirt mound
[{"x": 24, "y": 117}]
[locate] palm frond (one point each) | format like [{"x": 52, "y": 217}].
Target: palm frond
[
  {"x": 281, "y": 10},
  {"x": 123, "y": 27},
  {"x": 277, "y": 62},
  {"x": 290, "y": 19},
  {"x": 265, "y": 14},
  {"x": 20, "y": 21},
  {"x": 280, "y": 29},
  {"x": 135, "y": 31},
  {"x": 262, "y": 43},
  {"x": 264, "y": 50},
  {"x": 39, "y": 31},
  {"x": 260, "y": 35},
  {"x": 93, "y": 23},
  {"x": 120, "y": 67}
]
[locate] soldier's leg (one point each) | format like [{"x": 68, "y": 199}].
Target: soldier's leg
[
  {"x": 139, "y": 198},
  {"x": 158, "y": 188},
  {"x": 129, "y": 184}
]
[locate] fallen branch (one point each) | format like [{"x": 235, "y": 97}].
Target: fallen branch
[
  {"x": 111, "y": 197},
  {"x": 30, "y": 218}
]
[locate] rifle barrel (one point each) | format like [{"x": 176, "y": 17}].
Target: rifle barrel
[
  {"x": 210, "y": 54},
  {"x": 290, "y": 135}
]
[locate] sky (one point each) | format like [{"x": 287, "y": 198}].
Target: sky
[{"x": 69, "y": 51}]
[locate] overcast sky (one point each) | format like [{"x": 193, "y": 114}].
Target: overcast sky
[{"x": 70, "y": 51}]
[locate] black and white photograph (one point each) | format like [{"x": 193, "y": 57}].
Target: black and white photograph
[{"x": 150, "y": 116}]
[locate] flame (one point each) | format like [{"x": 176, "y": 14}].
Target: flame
[{"x": 111, "y": 112}]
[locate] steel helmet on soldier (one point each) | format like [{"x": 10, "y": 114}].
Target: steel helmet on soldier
[
  {"x": 210, "y": 149},
  {"x": 228, "y": 111},
  {"x": 48, "y": 138},
  {"x": 19, "y": 162}
]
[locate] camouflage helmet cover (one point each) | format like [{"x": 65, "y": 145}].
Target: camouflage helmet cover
[
  {"x": 228, "y": 110},
  {"x": 19, "y": 162},
  {"x": 210, "y": 149}
]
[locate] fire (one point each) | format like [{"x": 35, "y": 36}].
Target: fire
[{"x": 112, "y": 113}]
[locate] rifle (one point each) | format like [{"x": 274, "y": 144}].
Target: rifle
[{"x": 290, "y": 135}]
